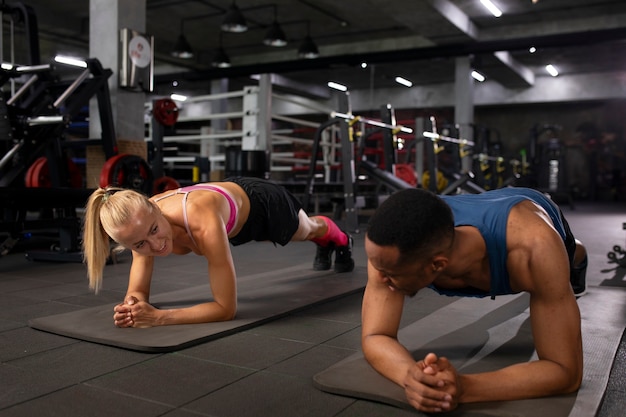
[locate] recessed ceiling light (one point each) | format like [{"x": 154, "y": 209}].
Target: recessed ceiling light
[
  {"x": 337, "y": 86},
  {"x": 491, "y": 7},
  {"x": 178, "y": 97},
  {"x": 404, "y": 82},
  {"x": 552, "y": 70},
  {"x": 478, "y": 76}
]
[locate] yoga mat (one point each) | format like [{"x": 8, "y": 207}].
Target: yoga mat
[
  {"x": 481, "y": 335},
  {"x": 261, "y": 297}
]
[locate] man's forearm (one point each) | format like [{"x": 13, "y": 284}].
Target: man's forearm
[
  {"x": 388, "y": 357},
  {"x": 521, "y": 381}
]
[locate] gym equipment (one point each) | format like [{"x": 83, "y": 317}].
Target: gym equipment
[
  {"x": 57, "y": 216},
  {"x": 458, "y": 148},
  {"x": 38, "y": 175},
  {"x": 441, "y": 182},
  {"x": 37, "y": 159},
  {"x": 477, "y": 335},
  {"x": 261, "y": 297},
  {"x": 491, "y": 169},
  {"x": 38, "y": 115},
  {"x": 548, "y": 163},
  {"x": 165, "y": 111},
  {"x": 351, "y": 126},
  {"x": 127, "y": 171},
  {"x": 394, "y": 182}
]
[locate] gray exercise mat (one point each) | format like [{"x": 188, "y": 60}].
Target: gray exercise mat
[
  {"x": 261, "y": 297},
  {"x": 482, "y": 335}
]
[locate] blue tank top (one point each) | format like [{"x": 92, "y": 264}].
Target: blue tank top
[{"x": 489, "y": 212}]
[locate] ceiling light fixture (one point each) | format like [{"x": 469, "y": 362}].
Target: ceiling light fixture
[
  {"x": 308, "y": 48},
  {"x": 182, "y": 48},
  {"x": 491, "y": 7},
  {"x": 552, "y": 70},
  {"x": 221, "y": 58},
  {"x": 234, "y": 21},
  {"x": 404, "y": 82},
  {"x": 337, "y": 86},
  {"x": 275, "y": 35},
  {"x": 532, "y": 49},
  {"x": 478, "y": 76}
]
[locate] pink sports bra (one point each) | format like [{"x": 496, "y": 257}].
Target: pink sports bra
[{"x": 232, "y": 220}]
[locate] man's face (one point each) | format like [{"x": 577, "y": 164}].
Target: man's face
[{"x": 408, "y": 277}]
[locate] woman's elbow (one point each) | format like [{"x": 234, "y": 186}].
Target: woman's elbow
[
  {"x": 229, "y": 312},
  {"x": 230, "y": 315}
]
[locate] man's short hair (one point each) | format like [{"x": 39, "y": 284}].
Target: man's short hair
[{"x": 416, "y": 221}]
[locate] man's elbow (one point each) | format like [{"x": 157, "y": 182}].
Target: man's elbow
[
  {"x": 575, "y": 382},
  {"x": 370, "y": 345},
  {"x": 572, "y": 382}
]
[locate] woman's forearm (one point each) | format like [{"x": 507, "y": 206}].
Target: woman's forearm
[{"x": 201, "y": 313}]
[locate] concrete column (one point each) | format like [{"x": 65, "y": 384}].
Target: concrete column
[
  {"x": 265, "y": 113},
  {"x": 107, "y": 17},
  {"x": 464, "y": 103}
]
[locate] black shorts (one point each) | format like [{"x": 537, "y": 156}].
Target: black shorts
[{"x": 273, "y": 212}]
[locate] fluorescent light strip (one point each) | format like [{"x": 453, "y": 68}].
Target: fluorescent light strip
[
  {"x": 68, "y": 60},
  {"x": 478, "y": 76},
  {"x": 491, "y": 7},
  {"x": 551, "y": 70},
  {"x": 178, "y": 97},
  {"x": 337, "y": 86},
  {"x": 404, "y": 82}
]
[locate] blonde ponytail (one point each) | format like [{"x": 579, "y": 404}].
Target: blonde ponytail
[
  {"x": 96, "y": 245},
  {"x": 106, "y": 210}
]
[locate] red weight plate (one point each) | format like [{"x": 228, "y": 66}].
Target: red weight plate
[
  {"x": 166, "y": 111},
  {"x": 164, "y": 184},
  {"x": 127, "y": 171},
  {"x": 38, "y": 175},
  {"x": 106, "y": 174},
  {"x": 405, "y": 173}
]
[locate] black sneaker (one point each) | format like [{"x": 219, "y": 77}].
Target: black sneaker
[
  {"x": 343, "y": 257},
  {"x": 323, "y": 257}
]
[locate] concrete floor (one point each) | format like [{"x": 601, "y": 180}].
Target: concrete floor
[{"x": 263, "y": 371}]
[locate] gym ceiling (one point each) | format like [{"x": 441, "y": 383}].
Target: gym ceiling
[{"x": 416, "y": 39}]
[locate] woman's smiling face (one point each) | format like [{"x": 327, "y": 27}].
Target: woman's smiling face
[{"x": 147, "y": 233}]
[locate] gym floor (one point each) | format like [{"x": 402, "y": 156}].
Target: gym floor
[{"x": 263, "y": 371}]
